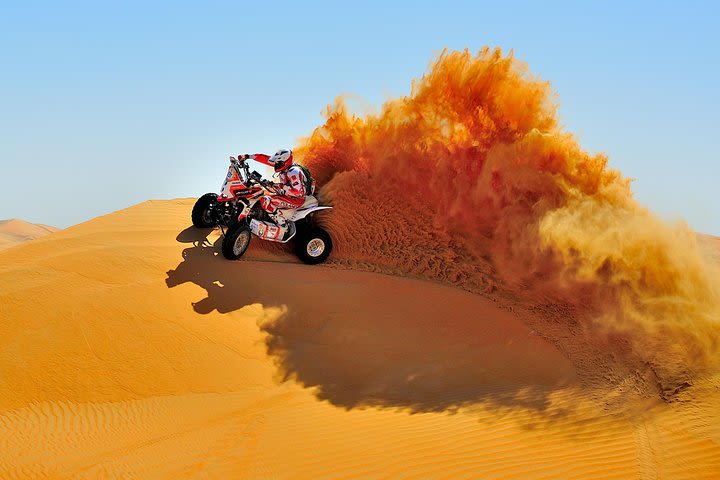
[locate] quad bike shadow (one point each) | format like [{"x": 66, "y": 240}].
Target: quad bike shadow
[
  {"x": 204, "y": 266},
  {"x": 380, "y": 355}
]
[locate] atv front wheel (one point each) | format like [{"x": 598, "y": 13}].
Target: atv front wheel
[
  {"x": 313, "y": 246},
  {"x": 202, "y": 211},
  {"x": 236, "y": 241}
]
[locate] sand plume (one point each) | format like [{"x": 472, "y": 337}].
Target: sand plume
[{"x": 471, "y": 180}]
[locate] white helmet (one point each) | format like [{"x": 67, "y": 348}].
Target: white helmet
[{"x": 281, "y": 160}]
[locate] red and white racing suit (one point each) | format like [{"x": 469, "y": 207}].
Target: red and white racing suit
[{"x": 292, "y": 186}]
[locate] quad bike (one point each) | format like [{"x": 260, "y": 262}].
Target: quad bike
[{"x": 236, "y": 210}]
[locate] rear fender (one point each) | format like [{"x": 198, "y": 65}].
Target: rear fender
[{"x": 304, "y": 212}]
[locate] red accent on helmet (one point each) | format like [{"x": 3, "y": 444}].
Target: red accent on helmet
[{"x": 280, "y": 166}]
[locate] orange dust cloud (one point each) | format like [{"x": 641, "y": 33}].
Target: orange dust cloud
[{"x": 470, "y": 180}]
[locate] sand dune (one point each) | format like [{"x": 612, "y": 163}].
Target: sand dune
[
  {"x": 130, "y": 349},
  {"x": 15, "y": 231},
  {"x": 711, "y": 245}
]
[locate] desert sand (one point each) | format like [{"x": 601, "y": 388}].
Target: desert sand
[
  {"x": 15, "y": 231},
  {"x": 129, "y": 348}
]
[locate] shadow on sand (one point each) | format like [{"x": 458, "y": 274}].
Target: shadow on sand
[{"x": 367, "y": 340}]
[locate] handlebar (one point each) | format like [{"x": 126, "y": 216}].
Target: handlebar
[
  {"x": 240, "y": 161},
  {"x": 267, "y": 184}
]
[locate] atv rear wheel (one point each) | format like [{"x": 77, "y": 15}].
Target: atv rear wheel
[
  {"x": 202, "y": 211},
  {"x": 236, "y": 241},
  {"x": 313, "y": 246}
]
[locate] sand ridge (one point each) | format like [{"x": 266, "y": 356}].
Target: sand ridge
[{"x": 129, "y": 348}]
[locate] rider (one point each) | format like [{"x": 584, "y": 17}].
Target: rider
[{"x": 291, "y": 188}]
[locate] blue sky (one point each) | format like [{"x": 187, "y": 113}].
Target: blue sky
[{"x": 105, "y": 104}]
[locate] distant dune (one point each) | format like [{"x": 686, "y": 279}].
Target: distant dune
[
  {"x": 711, "y": 245},
  {"x": 130, "y": 349},
  {"x": 15, "y": 231}
]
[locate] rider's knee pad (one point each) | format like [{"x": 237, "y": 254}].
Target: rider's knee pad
[{"x": 267, "y": 204}]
